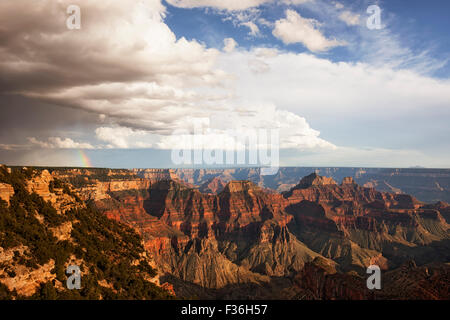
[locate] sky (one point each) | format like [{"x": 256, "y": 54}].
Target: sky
[{"x": 317, "y": 83}]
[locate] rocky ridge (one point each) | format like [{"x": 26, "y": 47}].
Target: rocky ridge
[
  {"x": 244, "y": 227},
  {"x": 45, "y": 227},
  {"x": 429, "y": 185},
  {"x": 221, "y": 243}
]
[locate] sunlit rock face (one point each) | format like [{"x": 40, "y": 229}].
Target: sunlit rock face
[
  {"x": 258, "y": 234},
  {"x": 6, "y": 191},
  {"x": 220, "y": 243},
  {"x": 428, "y": 185}
]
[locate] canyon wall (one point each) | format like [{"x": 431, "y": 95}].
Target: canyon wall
[
  {"x": 6, "y": 192},
  {"x": 246, "y": 234},
  {"x": 428, "y": 185},
  {"x": 236, "y": 235}
]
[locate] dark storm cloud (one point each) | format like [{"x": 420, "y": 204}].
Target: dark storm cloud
[
  {"x": 125, "y": 65},
  {"x": 125, "y": 81},
  {"x": 21, "y": 118},
  {"x": 124, "y": 62},
  {"x": 38, "y": 51}
]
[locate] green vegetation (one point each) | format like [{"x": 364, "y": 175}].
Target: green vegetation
[
  {"x": 109, "y": 251},
  {"x": 58, "y": 184},
  {"x": 89, "y": 176}
]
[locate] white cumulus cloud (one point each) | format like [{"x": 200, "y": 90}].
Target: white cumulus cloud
[
  {"x": 221, "y": 129},
  {"x": 123, "y": 138},
  {"x": 254, "y": 29},
  {"x": 350, "y": 18},
  {"x": 229, "y": 45},
  {"x": 60, "y": 143},
  {"x": 230, "y": 5},
  {"x": 296, "y": 29}
]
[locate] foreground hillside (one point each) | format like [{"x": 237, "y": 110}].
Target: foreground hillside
[
  {"x": 39, "y": 240},
  {"x": 244, "y": 242}
]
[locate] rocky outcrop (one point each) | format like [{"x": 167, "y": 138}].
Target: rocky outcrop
[
  {"x": 429, "y": 185},
  {"x": 26, "y": 281},
  {"x": 23, "y": 279},
  {"x": 321, "y": 282},
  {"x": 442, "y": 207},
  {"x": 187, "y": 230},
  {"x": 62, "y": 232},
  {"x": 278, "y": 252},
  {"x": 39, "y": 239},
  {"x": 200, "y": 261},
  {"x": 245, "y": 227},
  {"x": 246, "y": 236},
  {"x": 348, "y": 180},
  {"x": 102, "y": 189},
  {"x": 156, "y": 174},
  {"x": 426, "y": 282},
  {"x": 374, "y": 223},
  {"x": 214, "y": 186},
  {"x": 40, "y": 185},
  {"x": 314, "y": 180},
  {"x": 6, "y": 192}
]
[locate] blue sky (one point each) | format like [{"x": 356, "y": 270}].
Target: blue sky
[
  {"x": 129, "y": 88},
  {"x": 418, "y": 25}
]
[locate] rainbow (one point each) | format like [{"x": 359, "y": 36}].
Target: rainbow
[{"x": 86, "y": 162}]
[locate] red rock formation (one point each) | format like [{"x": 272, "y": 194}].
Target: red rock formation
[
  {"x": 249, "y": 231},
  {"x": 319, "y": 281},
  {"x": 214, "y": 186},
  {"x": 6, "y": 192},
  {"x": 169, "y": 288}
]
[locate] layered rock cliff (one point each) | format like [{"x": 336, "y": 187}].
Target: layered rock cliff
[
  {"x": 251, "y": 232},
  {"x": 229, "y": 237},
  {"x": 45, "y": 228},
  {"x": 6, "y": 191},
  {"x": 429, "y": 185}
]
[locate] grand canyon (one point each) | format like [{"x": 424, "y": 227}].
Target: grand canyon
[
  {"x": 304, "y": 233},
  {"x": 192, "y": 155}
]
